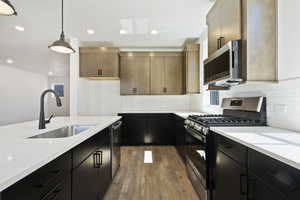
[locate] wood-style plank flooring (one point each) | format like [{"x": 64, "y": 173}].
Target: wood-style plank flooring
[{"x": 165, "y": 179}]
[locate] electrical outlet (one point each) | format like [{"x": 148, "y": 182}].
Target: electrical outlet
[{"x": 280, "y": 109}]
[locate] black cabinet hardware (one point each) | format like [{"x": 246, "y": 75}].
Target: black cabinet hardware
[
  {"x": 99, "y": 72},
  {"x": 243, "y": 184}
]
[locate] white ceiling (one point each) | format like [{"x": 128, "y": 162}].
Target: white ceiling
[{"x": 175, "y": 20}]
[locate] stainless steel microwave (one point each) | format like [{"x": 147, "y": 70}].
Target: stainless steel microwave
[{"x": 225, "y": 66}]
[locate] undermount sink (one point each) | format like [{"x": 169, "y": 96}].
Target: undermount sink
[{"x": 64, "y": 132}]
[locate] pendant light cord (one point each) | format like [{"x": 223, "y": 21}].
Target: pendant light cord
[{"x": 62, "y": 15}]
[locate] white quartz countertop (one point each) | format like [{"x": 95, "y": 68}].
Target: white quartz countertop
[
  {"x": 183, "y": 114},
  {"x": 279, "y": 144},
  {"x": 20, "y": 156}
]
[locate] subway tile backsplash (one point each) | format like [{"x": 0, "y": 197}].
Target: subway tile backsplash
[{"x": 283, "y": 101}]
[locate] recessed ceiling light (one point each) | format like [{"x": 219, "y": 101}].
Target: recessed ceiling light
[
  {"x": 123, "y": 32},
  {"x": 154, "y": 32},
  {"x": 50, "y": 73},
  {"x": 90, "y": 31},
  {"x": 19, "y": 28},
  {"x": 9, "y": 61}
]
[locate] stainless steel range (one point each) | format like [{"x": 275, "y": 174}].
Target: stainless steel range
[{"x": 200, "y": 153}]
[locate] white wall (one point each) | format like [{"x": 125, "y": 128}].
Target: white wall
[
  {"x": 19, "y": 94},
  {"x": 283, "y": 99},
  {"x": 288, "y": 39}
]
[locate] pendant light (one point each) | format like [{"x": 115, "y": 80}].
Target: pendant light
[
  {"x": 6, "y": 8},
  {"x": 61, "y": 45}
]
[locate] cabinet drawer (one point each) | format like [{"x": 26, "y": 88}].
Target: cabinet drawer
[
  {"x": 276, "y": 174},
  {"x": 61, "y": 191},
  {"x": 39, "y": 183},
  {"x": 233, "y": 149},
  {"x": 83, "y": 150}
]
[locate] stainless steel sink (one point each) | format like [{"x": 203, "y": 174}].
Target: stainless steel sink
[{"x": 64, "y": 132}]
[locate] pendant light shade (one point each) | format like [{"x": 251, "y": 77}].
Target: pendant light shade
[
  {"x": 6, "y": 8},
  {"x": 61, "y": 45}
]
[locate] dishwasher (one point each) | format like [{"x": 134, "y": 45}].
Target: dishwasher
[{"x": 115, "y": 147}]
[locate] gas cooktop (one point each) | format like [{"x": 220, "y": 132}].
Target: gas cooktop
[{"x": 223, "y": 120}]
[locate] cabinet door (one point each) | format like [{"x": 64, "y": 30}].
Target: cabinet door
[
  {"x": 110, "y": 64},
  {"x": 89, "y": 63},
  {"x": 157, "y": 74},
  {"x": 142, "y": 76},
  {"x": 180, "y": 137},
  {"x": 173, "y": 75},
  {"x": 160, "y": 130},
  {"x": 231, "y": 20},
  {"x": 257, "y": 190},
  {"x": 134, "y": 129},
  {"x": 213, "y": 21},
  {"x": 231, "y": 180},
  {"x": 61, "y": 192},
  {"x": 192, "y": 71},
  {"x": 128, "y": 76},
  {"x": 86, "y": 181},
  {"x": 104, "y": 179}
]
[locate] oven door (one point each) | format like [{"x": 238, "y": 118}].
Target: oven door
[
  {"x": 196, "y": 153},
  {"x": 196, "y": 161}
]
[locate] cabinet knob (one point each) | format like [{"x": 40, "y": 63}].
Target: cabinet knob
[
  {"x": 99, "y": 72},
  {"x": 220, "y": 42}
]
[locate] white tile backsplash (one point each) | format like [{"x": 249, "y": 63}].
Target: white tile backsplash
[
  {"x": 283, "y": 101},
  {"x": 103, "y": 98}
]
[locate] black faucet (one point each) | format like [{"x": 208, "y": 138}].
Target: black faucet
[{"x": 43, "y": 122}]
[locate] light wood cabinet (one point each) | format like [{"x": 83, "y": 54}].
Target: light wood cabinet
[
  {"x": 135, "y": 74},
  {"x": 173, "y": 75},
  {"x": 157, "y": 74},
  {"x": 224, "y": 23},
  {"x": 254, "y": 21},
  {"x": 151, "y": 73},
  {"x": 101, "y": 62},
  {"x": 166, "y": 74},
  {"x": 192, "y": 68}
]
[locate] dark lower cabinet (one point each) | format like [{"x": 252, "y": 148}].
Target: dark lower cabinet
[
  {"x": 82, "y": 173},
  {"x": 61, "y": 191},
  {"x": 148, "y": 129},
  {"x": 92, "y": 177},
  {"x": 231, "y": 179},
  {"x": 180, "y": 136},
  {"x": 258, "y": 190},
  {"x": 85, "y": 180},
  {"x": 52, "y": 181},
  {"x": 134, "y": 129}
]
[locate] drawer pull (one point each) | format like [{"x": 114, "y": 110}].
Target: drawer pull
[
  {"x": 57, "y": 171},
  {"x": 243, "y": 184},
  {"x": 251, "y": 189},
  {"x": 52, "y": 195},
  {"x": 98, "y": 159}
]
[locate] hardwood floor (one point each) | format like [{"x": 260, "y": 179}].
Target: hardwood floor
[{"x": 165, "y": 179}]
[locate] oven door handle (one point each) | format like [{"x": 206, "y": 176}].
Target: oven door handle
[{"x": 195, "y": 135}]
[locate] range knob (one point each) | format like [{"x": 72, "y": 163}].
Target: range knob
[
  {"x": 198, "y": 128},
  {"x": 187, "y": 122},
  {"x": 205, "y": 130}
]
